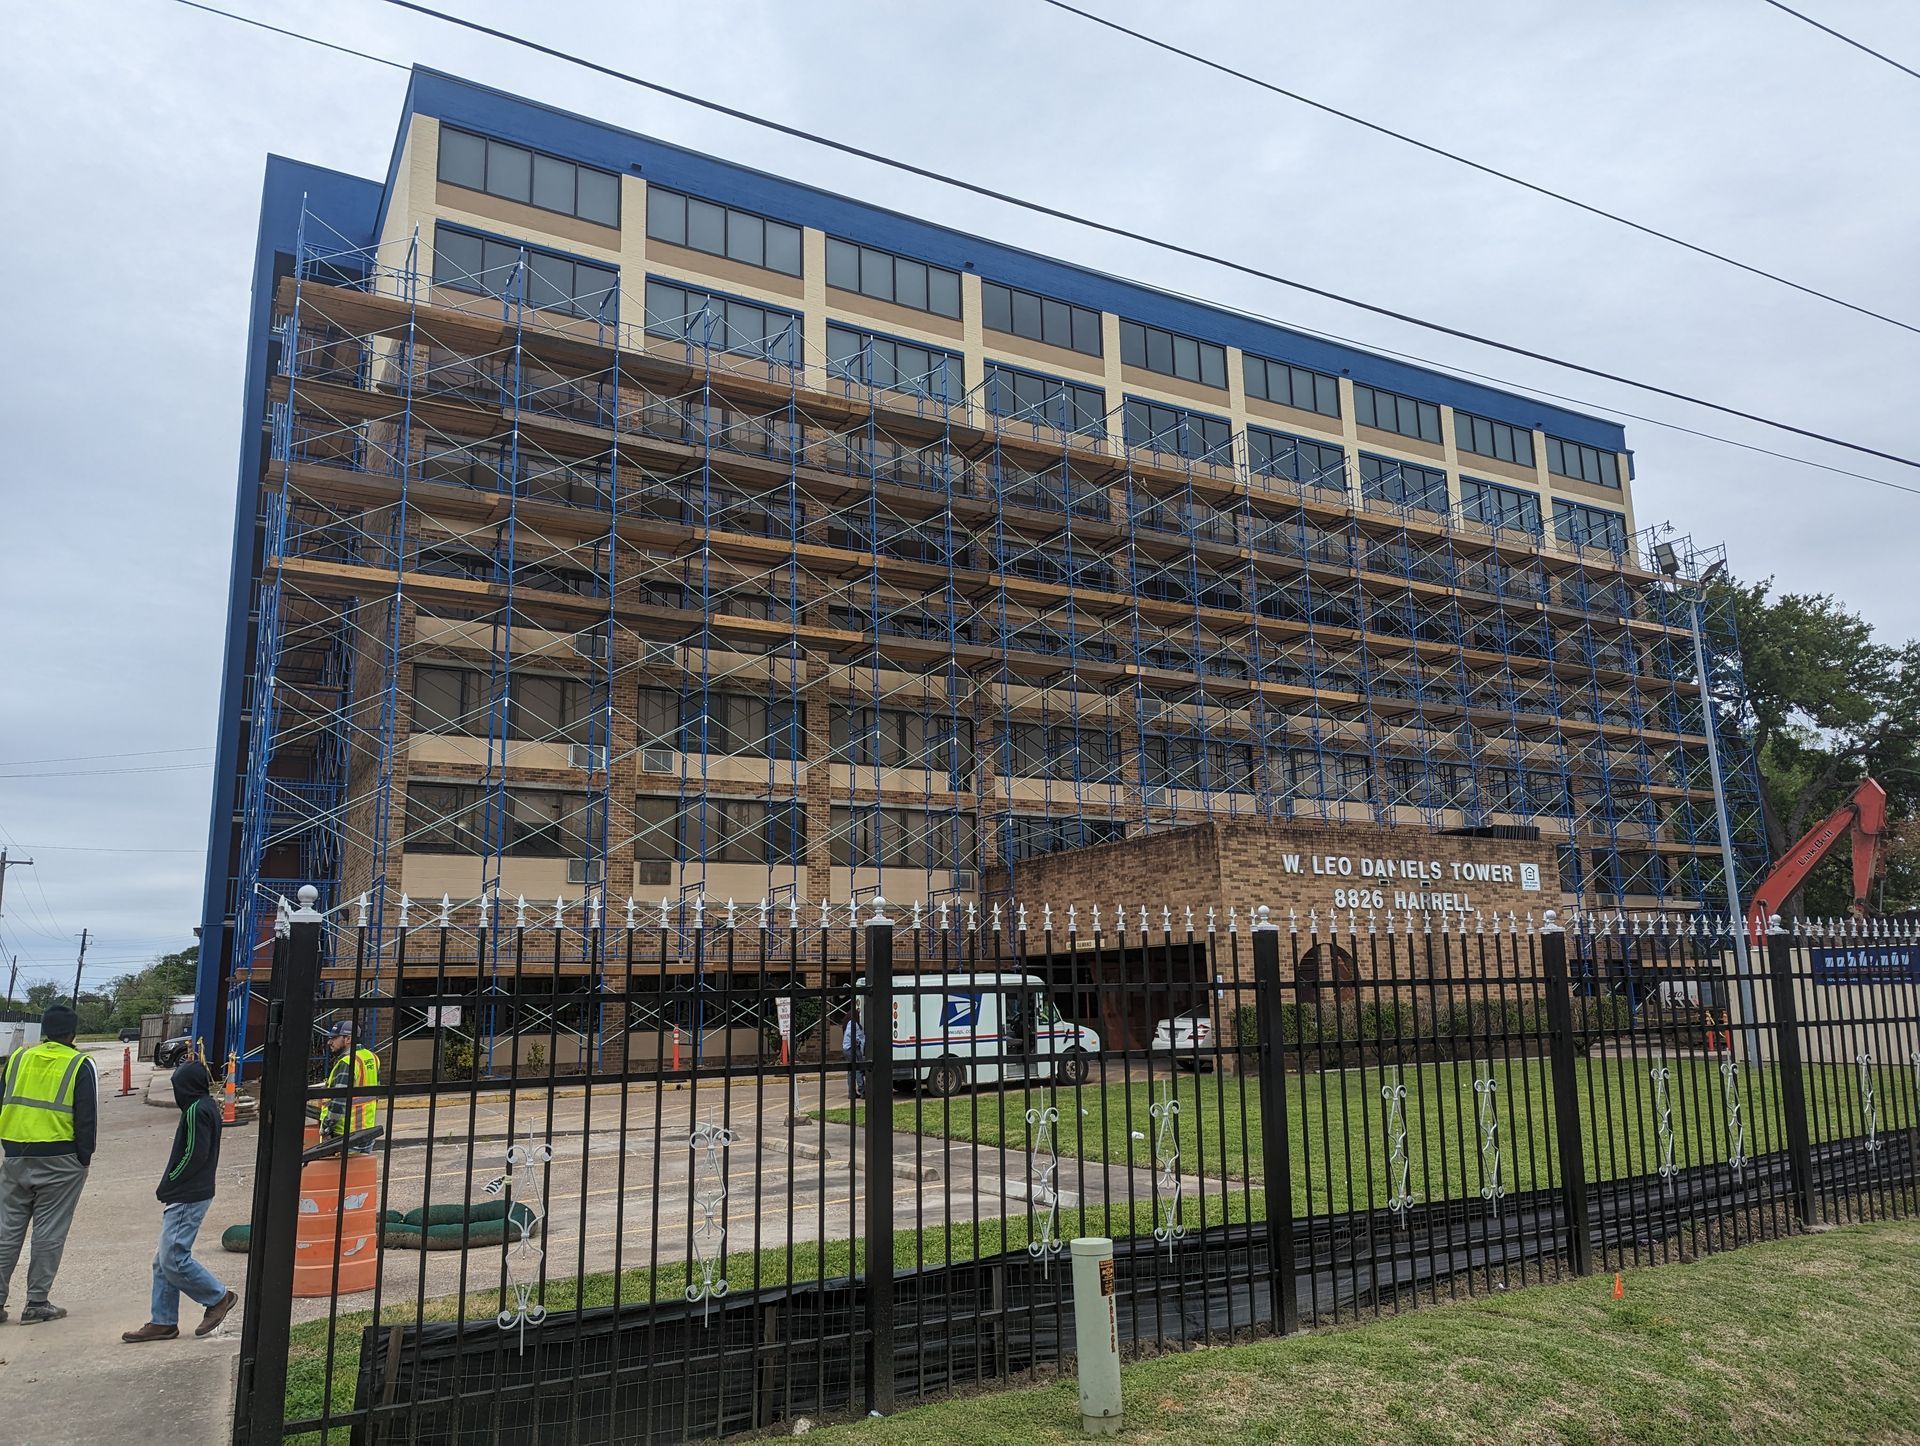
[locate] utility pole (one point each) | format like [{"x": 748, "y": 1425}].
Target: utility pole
[
  {"x": 5, "y": 864},
  {"x": 13, "y": 978},
  {"x": 79, "y": 964}
]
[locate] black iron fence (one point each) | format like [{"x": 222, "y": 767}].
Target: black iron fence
[{"x": 708, "y": 1171}]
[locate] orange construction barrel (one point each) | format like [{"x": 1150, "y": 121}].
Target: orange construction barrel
[{"x": 339, "y": 1224}]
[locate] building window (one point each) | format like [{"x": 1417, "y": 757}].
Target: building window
[
  {"x": 1339, "y": 777},
  {"x": 1498, "y": 506},
  {"x": 1578, "y": 525},
  {"x": 540, "y": 708},
  {"x": 1027, "y": 836},
  {"x": 705, "y": 829},
  {"x": 722, "y": 231},
  {"x": 1385, "y": 480},
  {"x": 533, "y": 178},
  {"x": 1048, "y": 401},
  {"x": 455, "y": 818},
  {"x": 1039, "y": 318},
  {"x": 1173, "y": 355},
  {"x": 1315, "y": 464},
  {"x": 901, "y": 366},
  {"x": 886, "y": 277},
  {"x": 722, "y": 323},
  {"x": 1486, "y": 438},
  {"x": 900, "y": 838},
  {"x": 900, "y": 738},
  {"x": 727, "y": 723},
  {"x": 1583, "y": 464},
  {"x": 1292, "y": 386},
  {"x": 466, "y": 261},
  {"x": 1177, "y": 430},
  {"x": 1203, "y": 764},
  {"x": 1059, "y": 750},
  {"x": 1391, "y": 412}
]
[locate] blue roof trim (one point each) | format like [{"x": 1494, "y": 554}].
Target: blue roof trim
[
  {"x": 514, "y": 118},
  {"x": 349, "y": 204}
]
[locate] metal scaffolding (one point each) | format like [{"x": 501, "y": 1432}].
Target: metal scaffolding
[{"x": 707, "y": 614}]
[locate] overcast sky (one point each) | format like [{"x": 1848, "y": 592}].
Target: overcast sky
[{"x": 133, "y": 135}]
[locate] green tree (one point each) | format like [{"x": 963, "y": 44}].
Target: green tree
[
  {"x": 153, "y": 988},
  {"x": 1828, "y": 705}
]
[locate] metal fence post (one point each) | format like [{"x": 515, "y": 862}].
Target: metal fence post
[
  {"x": 879, "y": 1149},
  {"x": 1793, "y": 1097},
  {"x": 260, "y": 1403},
  {"x": 1277, "y": 1164},
  {"x": 1566, "y": 1101}
]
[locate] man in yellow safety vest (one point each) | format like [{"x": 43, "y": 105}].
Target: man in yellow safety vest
[
  {"x": 49, "y": 1114},
  {"x": 353, "y": 1067}
]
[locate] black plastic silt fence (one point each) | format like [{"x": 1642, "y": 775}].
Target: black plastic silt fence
[{"x": 692, "y": 1171}]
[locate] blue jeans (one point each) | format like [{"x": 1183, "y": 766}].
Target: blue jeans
[{"x": 174, "y": 1268}]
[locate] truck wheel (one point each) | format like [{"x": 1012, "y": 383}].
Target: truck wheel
[
  {"x": 947, "y": 1077},
  {"x": 1073, "y": 1066}
]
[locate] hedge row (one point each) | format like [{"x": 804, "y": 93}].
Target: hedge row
[{"x": 1442, "y": 1030}]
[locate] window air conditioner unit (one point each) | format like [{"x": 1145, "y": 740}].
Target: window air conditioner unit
[
  {"x": 584, "y": 871},
  {"x": 651, "y": 871},
  {"x": 965, "y": 881},
  {"x": 656, "y": 652},
  {"x": 658, "y": 760},
  {"x": 590, "y": 756},
  {"x": 1150, "y": 708},
  {"x": 590, "y": 645}
]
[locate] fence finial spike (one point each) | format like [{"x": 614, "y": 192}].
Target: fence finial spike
[
  {"x": 1513, "y": 924},
  {"x": 1293, "y": 921},
  {"x": 1096, "y": 920},
  {"x": 1186, "y": 911},
  {"x": 1372, "y": 922},
  {"x": 1143, "y": 923},
  {"x": 361, "y": 921},
  {"x": 1426, "y": 922},
  {"x": 699, "y": 911},
  {"x": 914, "y": 923},
  {"x": 1019, "y": 918},
  {"x": 559, "y": 911},
  {"x": 629, "y": 913},
  {"x": 1212, "y": 921},
  {"x": 995, "y": 913},
  {"x": 766, "y": 914},
  {"x": 1166, "y": 921},
  {"x": 826, "y": 916},
  {"x": 1073, "y": 919},
  {"x": 406, "y": 906},
  {"x": 520, "y": 912},
  {"x": 1313, "y": 923},
  {"x": 1120, "y": 920},
  {"x": 1233, "y": 919},
  {"x": 1046, "y": 918},
  {"x": 943, "y": 916},
  {"x": 730, "y": 913},
  {"x": 283, "y": 918},
  {"x": 593, "y": 910},
  {"x": 793, "y": 911},
  {"x": 666, "y": 913},
  {"x": 446, "y": 909}
]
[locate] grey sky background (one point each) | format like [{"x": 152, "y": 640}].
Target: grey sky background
[{"x": 133, "y": 135}]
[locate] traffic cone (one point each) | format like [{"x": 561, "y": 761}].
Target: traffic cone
[
  {"x": 126, "y": 1072},
  {"x": 1619, "y": 1286},
  {"x": 229, "y": 1112}
]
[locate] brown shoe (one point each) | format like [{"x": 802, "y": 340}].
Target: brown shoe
[
  {"x": 150, "y": 1332},
  {"x": 217, "y": 1312}
]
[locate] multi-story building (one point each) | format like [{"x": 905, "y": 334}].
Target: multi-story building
[{"x": 617, "y": 521}]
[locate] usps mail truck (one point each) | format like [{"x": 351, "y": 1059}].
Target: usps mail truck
[{"x": 954, "y": 1031}]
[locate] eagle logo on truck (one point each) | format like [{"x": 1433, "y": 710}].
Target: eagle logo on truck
[{"x": 960, "y": 1011}]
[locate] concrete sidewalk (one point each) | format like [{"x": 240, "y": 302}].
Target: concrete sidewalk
[{"x": 74, "y": 1379}]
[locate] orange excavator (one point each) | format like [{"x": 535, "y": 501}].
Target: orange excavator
[{"x": 1864, "y": 815}]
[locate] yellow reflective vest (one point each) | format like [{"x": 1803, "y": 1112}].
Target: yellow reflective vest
[
  {"x": 360, "y": 1068},
  {"x": 37, "y": 1105}
]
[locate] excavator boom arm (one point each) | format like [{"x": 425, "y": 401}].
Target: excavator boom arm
[{"x": 1864, "y": 815}]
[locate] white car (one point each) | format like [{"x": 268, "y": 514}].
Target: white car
[
  {"x": 954, "y": 1031},
  {"x": 1187, "y": 1037}
]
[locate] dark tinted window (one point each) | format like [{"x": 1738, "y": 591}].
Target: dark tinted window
[
  {"x": 1027, "y": 396},
  {"x": 1174, "y": 356},
  {"x": 886, "y": 277},
  {"x": 1391, "y": 412},
  {"x": 1292, "y": 386},
  {"x": 722, "y": 231},
  {"x": 1486, "y": 438},
  {"x": 1038, "y": 318},
  {"x": 1177, "y": 430},
  {"x": 550, "y": 281},
  {"x": 518, "y": 174},
  {"x": 1386, "y": 480},
  {"x": 1583, "y": 464}
]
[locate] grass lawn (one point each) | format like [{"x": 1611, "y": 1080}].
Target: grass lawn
[
  {"x": 1808, "y": 1339},
  {"x": 1346, "y": 1122}
]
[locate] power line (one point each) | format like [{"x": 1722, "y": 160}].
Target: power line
[
  {"x": 296, "y": 35},
  {"x": 90, "y": 757},
  {"x": 1847, "y": 39},
  {"x": 108, "y": 849},
  {"x": 1112, "y": 229},
  {"x": 110, "y": 772},
  {"x": 1436, "y": 150}
]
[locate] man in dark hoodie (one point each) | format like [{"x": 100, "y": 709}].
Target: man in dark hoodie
[{"x": 186, "y": 1189}]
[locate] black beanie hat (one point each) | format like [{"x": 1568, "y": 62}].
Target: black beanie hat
[{"x": 59, "y": 1022}]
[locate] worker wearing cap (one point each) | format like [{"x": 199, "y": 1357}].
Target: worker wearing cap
[
  {"x": 358, "y": 1068},
  {"x": 49, "y": 1110}
]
